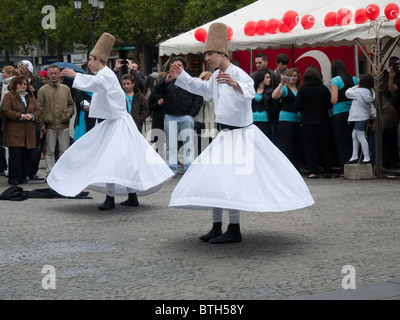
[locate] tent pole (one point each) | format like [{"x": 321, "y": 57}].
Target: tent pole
[
  {"x": 251, "y": 61},
  {"x": 293, "y": 56},
  {"x": 378, "y": 67}
]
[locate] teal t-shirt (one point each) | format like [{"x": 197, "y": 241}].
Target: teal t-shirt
[
  {"x": 259, "y": 116},
  {"x": 289, "y": 116},
  {"x": 342, "y": 106},
  {"x": 129, "y": 100}
]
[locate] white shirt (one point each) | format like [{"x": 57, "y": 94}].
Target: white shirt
[
  {"x": 108, "y": 101},
  {"x": 231, "y": 107}
]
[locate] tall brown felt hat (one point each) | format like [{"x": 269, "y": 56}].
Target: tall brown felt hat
[
  {"x": 103, "y": 47},
  {"x": 217, "y": 38}
]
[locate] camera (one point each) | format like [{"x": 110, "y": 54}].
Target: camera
[
  {"x": 288, "y": 79},
  {"x": 124, "y": 61}
]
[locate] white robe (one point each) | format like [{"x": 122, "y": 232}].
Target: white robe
[
  {"x": 114, "y": 151},
  {"x": 241, "y": 169}
]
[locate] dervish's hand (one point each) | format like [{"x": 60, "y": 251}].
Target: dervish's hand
[
  {"x": 68, "y": 73},
  {"x": 223, "y": 77},
  {"x": 175, "y": 70}
]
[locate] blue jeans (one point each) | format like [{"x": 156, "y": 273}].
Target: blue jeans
[{"x": 174, "y": 127}]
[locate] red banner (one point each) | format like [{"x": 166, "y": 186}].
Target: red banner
[{"x": 321, "y": 57}]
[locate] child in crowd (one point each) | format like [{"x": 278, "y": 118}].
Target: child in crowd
[{"x": 362, "y": 109}]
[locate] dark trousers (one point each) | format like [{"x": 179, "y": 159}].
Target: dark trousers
[
  {"x": 289, "y": 141},
  {"x": 265, "y": 127},
  {"x": 342, "y": 130},
  {"x": 18, "y": 161},
  {"x": 3, "y": 161},
  {"x": 317, "y": 144},
  {"x": 34, "y": 155}
]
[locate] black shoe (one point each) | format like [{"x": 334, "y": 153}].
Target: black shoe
[
  {"x": 13, "y": 182},
  {"x": 216, "y": 231},
  {"x": 351, "y": 161},
  {"x": 231, "y": 235},
  {"x": 327, "y": 175},
  {"x": 22, "y": 181},
  {"x": 132, "y": 200},
  {"x": 108, "y": 204},
  {"x": 365, "y": 162}
]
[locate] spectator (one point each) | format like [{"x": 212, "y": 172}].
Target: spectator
[
  {"x": 282, "y": 61},
  {"x": 204, "y": 124},
  {"x": 342, "y": 129},
  {"x": 20, "y": 111},
  {"x": 8, "y": 73},
  {"x": 313, "y": 100},
  {"x": 157, "y": 113},
  {"x": 57, "y": 110},
  {"x": 393, "y": 86},
  {"x": 136, "y": 103},
  {"x": 289, "y": 134},
  {"x": 180, "y": 108},
  {"x": 261, "y": 61},
  {"x": 125, "y": 66},
  {"x": 362, "y": 109},
  {"x": 149, "y": 83},
  {"x": 25, "y": 68},
  {"x": 263, "y": 106},
  {"x": 83, "y": 123},
  {"x": 44, "y": 76}
]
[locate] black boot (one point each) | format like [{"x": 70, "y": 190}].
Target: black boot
[
  {"x": 213, "y": 233},
  {"x": 132, "y": 200},
  {"x": 108, "y": 204},
  {"x": 231, "y": 235}
]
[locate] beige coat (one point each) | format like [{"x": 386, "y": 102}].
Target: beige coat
[
  {"x": 57, "y": 106},
  {"x": 18, "y": 133}
]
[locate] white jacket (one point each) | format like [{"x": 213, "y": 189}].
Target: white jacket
[{"x": 362, "y": 107}]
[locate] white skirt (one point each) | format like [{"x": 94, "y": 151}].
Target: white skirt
[
  {"x": 114, "y": 151},
  {"x": 243, "y": 170}
]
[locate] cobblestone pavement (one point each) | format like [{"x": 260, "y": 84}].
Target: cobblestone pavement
[{"x": 153, "y": 251}]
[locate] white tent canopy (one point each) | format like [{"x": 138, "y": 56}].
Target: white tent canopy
[{"x": 319, "y": 35}]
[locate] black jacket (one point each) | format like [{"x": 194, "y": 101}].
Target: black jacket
[
  {"x": 313, "y": 101},
  {"x": 177, "y": 101}
]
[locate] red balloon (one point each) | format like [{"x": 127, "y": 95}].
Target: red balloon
[
  {"x": 397, "y": 25},
  {"x": 330, "y": 19},
  {"x": 250, "y": 28},
  {"x": 344, "y": 17},
  {"x": 230, "y": 33},
  {"x": 200, "y": 34},
  {"x": 392, "y": 11},
  {"x": 307, "y": 21},
  {"x": 373, "y": 12},
  {"x": 283, "y": 27},
  {"x": 291, "y": 19},
  {"x": 361, "y": 16},
  {"x": 261, "y": 27},
  {"x": 273, "y": 26}
]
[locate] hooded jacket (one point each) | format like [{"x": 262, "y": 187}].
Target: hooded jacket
[{"x": 362, "y": 107}]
